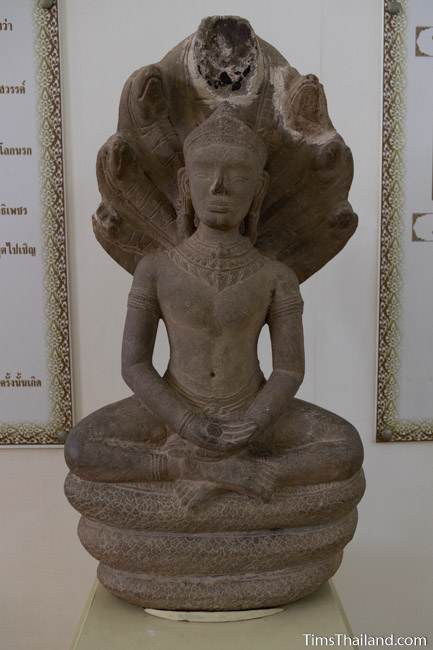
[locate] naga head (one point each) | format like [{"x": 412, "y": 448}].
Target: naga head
[{"x": 226, "y": 55}]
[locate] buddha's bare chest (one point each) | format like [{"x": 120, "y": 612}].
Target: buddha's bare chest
[{"x": 190, "y": 301}]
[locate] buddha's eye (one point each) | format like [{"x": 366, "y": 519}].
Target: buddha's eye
[{"x": 240, "y": 179}]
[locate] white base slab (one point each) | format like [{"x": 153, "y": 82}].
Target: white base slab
[{"x": 214, "y": 617}]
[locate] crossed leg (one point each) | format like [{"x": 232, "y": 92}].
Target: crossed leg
[
  {"x": 119, "y": 442},
  {"x": 125, "y": 442},
  {"x": 311, "y": 445}
]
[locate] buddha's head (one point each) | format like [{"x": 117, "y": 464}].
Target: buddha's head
[{"x": 223, "y": 183}]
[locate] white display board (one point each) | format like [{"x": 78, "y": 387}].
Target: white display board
[
  {"x": 35, "y": 375},
  {"x": 405, "y": 361}
]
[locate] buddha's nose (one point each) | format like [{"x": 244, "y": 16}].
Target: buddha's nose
[{"x": 218, "y": 186}]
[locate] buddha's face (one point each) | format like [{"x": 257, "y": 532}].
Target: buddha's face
[{"x": 223, "y": 182}]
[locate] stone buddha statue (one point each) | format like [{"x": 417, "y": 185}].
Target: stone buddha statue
[
  {"x": 212, "y": 448},
  {"x": 212, "y": 422}
]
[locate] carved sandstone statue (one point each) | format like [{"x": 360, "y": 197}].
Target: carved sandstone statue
[{"x": 227, "y": 462}]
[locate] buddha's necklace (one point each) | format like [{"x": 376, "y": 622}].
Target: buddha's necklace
[{"x": 220, "y": 265}]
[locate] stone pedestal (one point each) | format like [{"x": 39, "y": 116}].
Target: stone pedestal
[{"x": 109, "y": 623}]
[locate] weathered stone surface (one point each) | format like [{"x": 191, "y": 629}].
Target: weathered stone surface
[
  {"x": 225, "y": 185},
  {"x": 155, "y": 506},
  {"x": 305, "y": 219},
  {"x": 220, "y": 553},
  {"x": 245, "y": 591}
]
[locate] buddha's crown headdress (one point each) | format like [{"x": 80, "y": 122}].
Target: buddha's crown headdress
[{"x": 223, "y": 126}]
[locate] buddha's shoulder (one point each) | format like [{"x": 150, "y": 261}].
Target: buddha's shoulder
[
  {"x": 279, "y": 272},
  {"x": 150, "y": 266}
]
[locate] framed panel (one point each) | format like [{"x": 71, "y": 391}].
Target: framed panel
[
  {"x": 405, "y": 350},
  {"x": 35, "y": 368}
]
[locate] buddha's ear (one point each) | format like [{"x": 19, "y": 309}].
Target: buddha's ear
[
  {"x": 182, "y": 180},
  {"x": 252, "y": 219},
  {"x": 263, "y": 188},
  {"x": 184, "y": 208}
]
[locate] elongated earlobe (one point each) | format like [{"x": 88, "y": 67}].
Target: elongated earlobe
[
  {"x": 253, "y": 216},
  {"x": 184, "y": 208},
  {"x": 251, "y": 225}
]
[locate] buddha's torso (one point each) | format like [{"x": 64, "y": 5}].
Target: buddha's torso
[{"x": 214, "y": 302}]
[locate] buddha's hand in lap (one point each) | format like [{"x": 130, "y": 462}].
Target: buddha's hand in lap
[{"x": 218, "y": 435}]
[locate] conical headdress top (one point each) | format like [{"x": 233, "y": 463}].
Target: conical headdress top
[{"x": 225, "y": 127}]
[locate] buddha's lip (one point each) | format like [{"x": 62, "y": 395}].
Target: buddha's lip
[{"x": 219, "y": 206}]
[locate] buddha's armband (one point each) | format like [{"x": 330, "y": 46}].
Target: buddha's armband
[
  {"x": 285, "y": 306},
  {"x": 287, "y": 299},
  {"x": 144, "y": 300}
]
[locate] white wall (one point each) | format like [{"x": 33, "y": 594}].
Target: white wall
[{"x": 386, "y": 578}]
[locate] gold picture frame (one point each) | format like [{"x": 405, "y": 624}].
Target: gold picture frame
[
  {"x": 54, "y": 252},
  {"x": 390, "y": 426}
]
